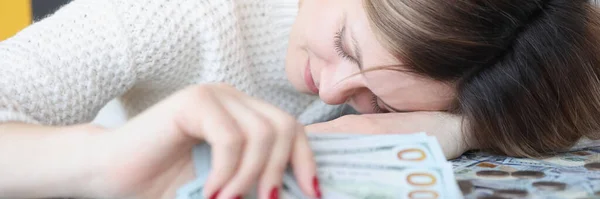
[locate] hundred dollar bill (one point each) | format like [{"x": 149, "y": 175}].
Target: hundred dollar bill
[
  {"x": 360, "y": 166},
  {"x": 363, "y": 181},
  {"x": 572, "y": 174},
  {"x": 380, "y": 166},
  {"x": 385, "y": 150},
  {"x": 201, "y": 156},
  {"x": 366, "y": 181}
]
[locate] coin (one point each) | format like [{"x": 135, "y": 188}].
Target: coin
[
  {"x": 594, "y": 166},
  {"x": 511, "y": 193},
  {"x": 491, "y": 197},
  {"x": 492, "y": 173},
  {"x": 466, "y": 186},
  {"x": 581, "y": 153},
  {"x": 487, "y": 165},
  {"x": 528, "y": 174},
  {"x": 550, "y": 186}
]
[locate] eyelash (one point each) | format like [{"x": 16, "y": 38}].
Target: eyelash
[
  {"x": 339, "y": 46},
  {"x": 375, "y": 106}
]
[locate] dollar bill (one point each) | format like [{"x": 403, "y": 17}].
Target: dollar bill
[
  {"x": 351, "y": 166},
  {"x": 202, "y": 165},
  {"x": 570, "y": 174},
  {"x": 385, "y": 150},
  {"x": 375, "y": 181}
]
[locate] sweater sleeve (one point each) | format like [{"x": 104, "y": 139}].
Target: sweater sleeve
[{"x": 64, "y": 69}]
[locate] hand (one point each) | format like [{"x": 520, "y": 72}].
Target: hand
[
  {"x": 445, "y": 127},
  {"x": 252, "y": 142}
]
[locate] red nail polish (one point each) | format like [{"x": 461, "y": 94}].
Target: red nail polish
[
  {"x": 214, "y": 196},
  {"x": 316, "y": 187},
  {"x": 274, "y": 194}
]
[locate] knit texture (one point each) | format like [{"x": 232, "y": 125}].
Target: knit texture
[{"x": 64, "y": 69}]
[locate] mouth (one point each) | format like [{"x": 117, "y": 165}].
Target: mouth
[{"x": 308, "y": 79}]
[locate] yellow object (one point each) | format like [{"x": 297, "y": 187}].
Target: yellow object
[{"x": 14, "y": 16}]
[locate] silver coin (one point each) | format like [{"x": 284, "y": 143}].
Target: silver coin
[
  {"x": 550, "y": 186},
  {"x": 466, "y": 186},
  {"x": 594, "y": 166},
  {"x": 492, "y": 173},
  {"x": 511, "y": 193},
  {"x": 528, "y": 174}
]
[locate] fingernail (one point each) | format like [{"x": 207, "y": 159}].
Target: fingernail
[
  {"x": 274, "y": 193},
  {"x": 238, "y": 197},
  {"x": 316, "y": 187},
  {"x": 214, "y": 196}
]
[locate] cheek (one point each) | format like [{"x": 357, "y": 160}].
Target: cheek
[
  {"x": 409, "y": 93},
  {"x": 422, "y": 97}
]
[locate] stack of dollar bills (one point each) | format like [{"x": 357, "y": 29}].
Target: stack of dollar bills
[{"x": 351, "y": 166}]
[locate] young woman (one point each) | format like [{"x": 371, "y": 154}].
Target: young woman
[{"x": 519, "y": 77}]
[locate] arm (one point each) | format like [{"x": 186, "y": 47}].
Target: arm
[
  {"x": 64, "y": 69},
  {"x": 447, "y": 128},
  {"x": 37, "y": 161},
  {"x": 61, "y": 71}
]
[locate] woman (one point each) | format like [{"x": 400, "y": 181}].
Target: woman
[{"x": 520, "y": 76}]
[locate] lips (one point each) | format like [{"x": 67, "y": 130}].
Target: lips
[{"x": 308, "y": 79}]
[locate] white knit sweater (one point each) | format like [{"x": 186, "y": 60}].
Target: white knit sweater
[{"x": 65, "y": 68}]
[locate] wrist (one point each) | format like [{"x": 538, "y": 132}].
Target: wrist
[
  {"x": 95, "y": 160},
  {"x": 80, "y": 161},
  {"x": 41, "y": 161},
  {"x": 86, "y": 160}
]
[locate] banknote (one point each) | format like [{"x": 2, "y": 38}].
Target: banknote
[
  {"x": 384, "y": 150},
  {"x": 366, "y": 181},
  {"x": 201, "y": 156},
  {"x": 570, "y": 174},
  {"x": 202, "y": 163},
  {"x": 357, "y": 166}
]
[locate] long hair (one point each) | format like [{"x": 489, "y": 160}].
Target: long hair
[{"x": 526, "y": 72}]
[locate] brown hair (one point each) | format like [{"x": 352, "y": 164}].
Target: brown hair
[{"x": 526, "y": 71}]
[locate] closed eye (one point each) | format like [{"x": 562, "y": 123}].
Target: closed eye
[
  {"x": 375, "y": 105},
  {"x": 340, "y": 48}
]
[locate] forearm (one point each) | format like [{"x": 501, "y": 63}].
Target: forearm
[{"x": 37, "y": 161}]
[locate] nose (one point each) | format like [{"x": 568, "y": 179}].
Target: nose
[{"x": 339, "y": 83}]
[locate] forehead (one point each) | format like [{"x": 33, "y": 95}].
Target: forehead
[{"x": 373, "y": 53}]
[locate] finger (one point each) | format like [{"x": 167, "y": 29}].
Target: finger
[
  {"x": 260, "y": 137},
  {"x": 304, "y": 165},
  {"x": 302, "y": 157},
  {"x": 217, "y": 128},
  {"x": 286, "y": 129}
]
